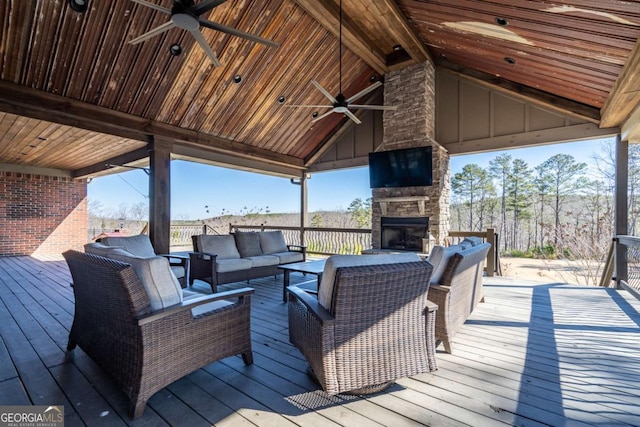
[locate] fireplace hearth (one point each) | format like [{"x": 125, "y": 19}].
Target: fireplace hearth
[{"x": 404, "y": 233}]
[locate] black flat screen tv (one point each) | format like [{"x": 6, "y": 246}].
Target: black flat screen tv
[{"x": 409, "y": 167}]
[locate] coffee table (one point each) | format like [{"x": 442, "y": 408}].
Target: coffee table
[{"x": 308, "y": 267}]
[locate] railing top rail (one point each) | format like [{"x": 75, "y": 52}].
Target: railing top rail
[
  {"x": 284, "y": 227},
  {"x": 628, "y": 240}
]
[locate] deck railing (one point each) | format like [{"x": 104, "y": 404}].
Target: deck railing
[
  {"x": 625, "y": 271},
  {"x": 329, "y": 241},
  {"x": 320, "y": 241}
]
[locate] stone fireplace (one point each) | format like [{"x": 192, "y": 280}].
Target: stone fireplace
[{"x": 412, "y": 125}]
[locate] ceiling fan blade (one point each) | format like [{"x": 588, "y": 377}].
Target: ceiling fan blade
[
  {"x": 236, "y": 32},
  {"x": 307, "y": 106},
  {"x": 363, "y": 92},
  {"x": 153, "y": 6},
  {"x": 205, "y": 6},
  {"x": 205, "y": 46},
  {"x": 324, "y": 92},
  {"x": 158, "y": 30},
  {"x": 322, "y": 116},
  {"x": 374, "y": 107},
  {"x": 352, "y": 117}
]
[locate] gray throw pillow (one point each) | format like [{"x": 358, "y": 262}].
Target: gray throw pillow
[{"x": 248, "y": 244}]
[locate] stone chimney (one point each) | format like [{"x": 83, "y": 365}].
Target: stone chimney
[{"x": 412, "y": 90}]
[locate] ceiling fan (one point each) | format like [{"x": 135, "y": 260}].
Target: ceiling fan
[
  {"x": 185, "y": 14},
  {"x": 341, "y": 104}
]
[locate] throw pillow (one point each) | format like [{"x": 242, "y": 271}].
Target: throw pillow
[
  {"x": 224, "y": 246},
  {"x": 248, "y": 244},
  {"x": 441, "y": 258},
  {"x": 272, "y": 242},
  {"x": 473, "y": 240},
  {"x": 139, "y": 245}
]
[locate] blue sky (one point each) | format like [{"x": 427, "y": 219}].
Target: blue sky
[{"x": 195, "y": 185}]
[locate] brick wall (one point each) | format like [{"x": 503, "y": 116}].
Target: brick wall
[
  {"x": 412, "y": 89},
  {"x": 41, "y": 215}
]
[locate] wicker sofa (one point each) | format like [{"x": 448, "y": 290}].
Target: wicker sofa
[
  {"x": 148, "y": 338},
  {"x": 456, "y": 285},
  {"x": 219, "y": 259},
  {"x": 370, "y": 324}
]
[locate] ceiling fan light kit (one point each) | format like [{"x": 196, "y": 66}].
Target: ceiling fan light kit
[
  {"x": 185, "y": 14},
  {"x": 340, "y": 104}
]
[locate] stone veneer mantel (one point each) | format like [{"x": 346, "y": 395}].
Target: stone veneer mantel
[{"x": 403, "y": 199}]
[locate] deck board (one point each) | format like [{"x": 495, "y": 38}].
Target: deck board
[{"x": 532, "y": 354}]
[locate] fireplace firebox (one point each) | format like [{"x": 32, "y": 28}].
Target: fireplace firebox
[{"x": 404, "y": 233}]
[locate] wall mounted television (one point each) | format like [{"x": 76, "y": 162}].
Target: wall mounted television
[{"x": 408, "y": 167}]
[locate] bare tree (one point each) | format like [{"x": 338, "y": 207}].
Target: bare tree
[
  {"x": 500, "y": 168},
  {"x": 565, "y": 173}
]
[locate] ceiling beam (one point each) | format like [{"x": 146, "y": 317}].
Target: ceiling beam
[
  {"x": 397, "y": 25},
  {"x": 545, "y": 99},
  {"x": 124, "y": 159},
  {"x": 327, "y": 13},
  {"x": 625, "y": 96},
  {"x": 35, "y": 170},
  {"x": 573, "y": 133},
  {"x": 40, "y": 105},
  {"x": 631, "y": 128}
]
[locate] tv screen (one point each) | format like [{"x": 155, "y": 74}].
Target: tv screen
[{"x": 409, "y": 167}]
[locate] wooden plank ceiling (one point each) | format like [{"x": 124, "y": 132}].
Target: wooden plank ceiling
[{"x": 74, "y": 93}]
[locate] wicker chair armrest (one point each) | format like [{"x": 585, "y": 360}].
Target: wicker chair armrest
[
  {"x": 312, "y": 305},
  {"x": 439, "y": 288},
  {"x": 438, "y": 294},
  {"x": 297, "y": 248},
  {"x": 188, "y": 305},
  {"x": 431, "y": 306},
  {"x": 182, "y": 260},
  {"x": 200, "y": 256}
]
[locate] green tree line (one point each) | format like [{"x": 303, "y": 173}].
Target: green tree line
[{"x": 554, "y": 209}]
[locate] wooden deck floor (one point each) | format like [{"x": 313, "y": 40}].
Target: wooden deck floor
[{"x": 533, "y": 354}]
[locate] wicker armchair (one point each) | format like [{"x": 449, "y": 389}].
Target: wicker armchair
[
  {"x": 142, "y": 350},
  {"x": 381, "y": 327},
  {"x": 459, "y": 291}
]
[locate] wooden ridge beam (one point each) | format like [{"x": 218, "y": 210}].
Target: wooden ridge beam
[
  {"x": 327, "y": 13},
  {"x": 625, "y": 95},
  {"x": 544, "y": 99},
  {"x": 23, "y": 101}
]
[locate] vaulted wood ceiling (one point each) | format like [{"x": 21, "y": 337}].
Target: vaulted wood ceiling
[{"x": 74, "y": 95}]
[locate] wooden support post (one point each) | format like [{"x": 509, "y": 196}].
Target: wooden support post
[
  {"x": 491, "y": 255},
  {"x": 304, "y": 206},
  {"x": 621, "y": 207},
  {"x": 159, "y": 195}
]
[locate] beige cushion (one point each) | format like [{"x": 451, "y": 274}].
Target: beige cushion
[
  {"x": 224, "y": 246},
  {"x": 264, "y": 260},
  {"x": 439, "y": 258},
  {"x": 227, "y": 265},
  {"x": 473, "y": 240},
  {"x": 272, "y": 242},
  {"x": 163, "y": 289},
  {"x": 325, "y": 290},
  {"x": 289, "y": 256},
  {"x": 248, "y": 244},
  {"x": 139, "y": 245},
  {"x": 104, "y": 250}
]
